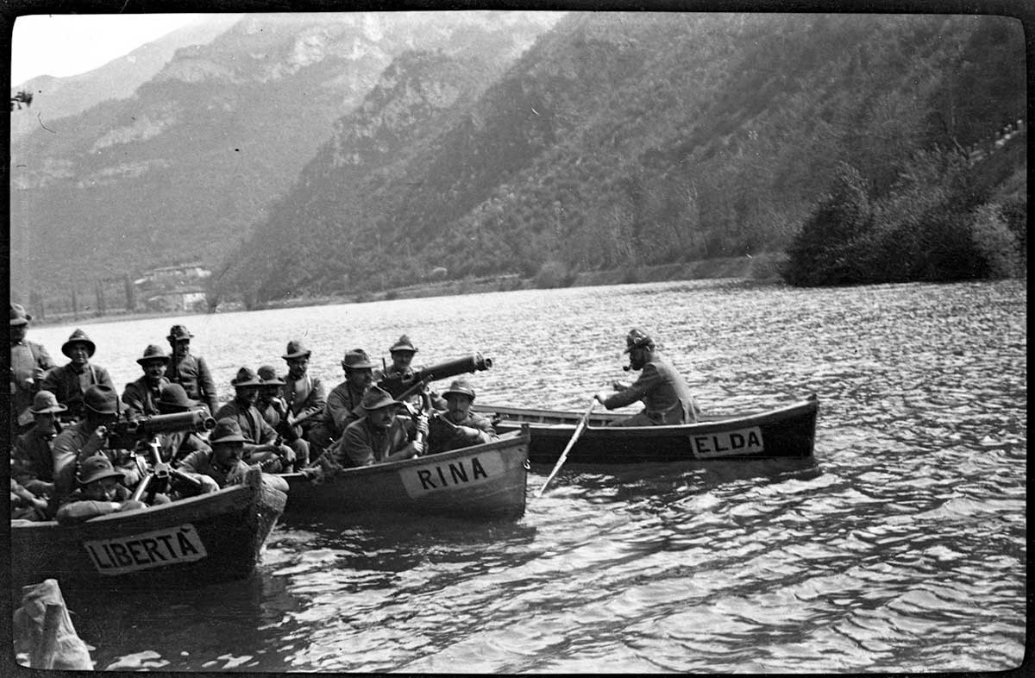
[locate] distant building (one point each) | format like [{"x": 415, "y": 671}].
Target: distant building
[
  {"x": 172, "y": 274},
  {"x": 173, "y": 288}
]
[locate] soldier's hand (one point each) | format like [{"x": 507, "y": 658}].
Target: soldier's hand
[
  {"x": 619, "y": 385},
  {"x": 96, "y": 441},
  {"x": 467, "y": 431},
  {"x": 602, "y": 396}
]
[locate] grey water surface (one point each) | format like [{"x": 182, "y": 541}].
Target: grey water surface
[{"x": 901, "y": 547}]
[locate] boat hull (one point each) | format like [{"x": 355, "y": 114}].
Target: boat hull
[
  {"x": 483, "y": 482},
  {"x": 787, "y": 432},
  {"x": 205, "y": 539}
]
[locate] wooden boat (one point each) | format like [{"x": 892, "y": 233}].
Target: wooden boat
[
  {"x": 481, "y": 481},
  {"x": 209, "y": 538},
  {"x": 785, "y": 432}
]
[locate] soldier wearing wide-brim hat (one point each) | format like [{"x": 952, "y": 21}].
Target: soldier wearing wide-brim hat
[
  {"x": 380, "y": 435},
  {"x": 29, "y": 364},
  {"x": 223, "y": 464},
  {"x": 141, "y": 396},
  {"x": 190, "y": 371},
  {"x": 665, "y": 394},
  {"x": 69, "y": 382},
  {"x": 306, "y": 399},
  {"x": 272, "y": 406},
  {"x": 261, "y": 444},
  {"x": 343, "y": 402},
  {"x": 458, "y": 426},
  {"x": 101, "y": 409},
  {"x": 96, "y": 497},
  {"x": 400, "y": 375},
  {"x": 177, "y": 445},
  {"x": 32, "y": 459}
]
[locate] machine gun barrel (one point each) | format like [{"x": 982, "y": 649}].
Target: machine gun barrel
[
  {"x": 197, "y": 421},
  {"x": 451, "y": 368}
]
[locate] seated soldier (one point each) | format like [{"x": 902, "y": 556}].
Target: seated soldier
[
  {"x": 32, "y": 459},
  {"x": 274, "y": 409},
  {"x": 222, "y": 466},
  {"x": 175, "y": 445},
  {"x": 343, "y": 402},
  {"x": 100, "y": 493},
  {"x": 665, "y": 394},
  {"x": 85, "y": 438},
  {"x": 70, "y": 382},
  {"x": 141, "y": 396},
  {"x": 458, "y": 427},
  {"x": 401, "y": 375},
  {"x": 380, "y": 436},
  {"x": 262, "y": 444}
]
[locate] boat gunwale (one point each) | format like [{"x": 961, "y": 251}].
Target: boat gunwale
[
  {"x": 506, "y": 440},
  {"x": 803, "y": 408}
]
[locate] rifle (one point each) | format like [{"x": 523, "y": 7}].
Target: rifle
[
  {"x": 125, "y": 434},
  {"x": 451, "y": 368}
]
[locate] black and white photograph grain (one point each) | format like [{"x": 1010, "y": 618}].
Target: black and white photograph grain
[{"x": 517, "y": 339}]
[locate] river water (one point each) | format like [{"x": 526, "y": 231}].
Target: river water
[{"x": 901, "y": 548}]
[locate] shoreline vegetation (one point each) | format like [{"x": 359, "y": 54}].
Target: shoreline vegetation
[{"x": 763, "y": 267}]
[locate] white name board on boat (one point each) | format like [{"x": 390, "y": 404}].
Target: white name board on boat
[
  {"x": 728, "y": 443},
  {"x": 160, "y": 548},
  {"x": 452, "y": 474}
]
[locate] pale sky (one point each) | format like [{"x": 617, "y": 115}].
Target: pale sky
[{"x": 63, "y": 45}]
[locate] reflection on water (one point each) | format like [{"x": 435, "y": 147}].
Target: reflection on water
[{"x": 900, "y": 548}]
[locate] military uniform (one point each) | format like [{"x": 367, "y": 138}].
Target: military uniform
[
  {"x": 26, "y": 358},
  {"x": 363, "y": 444},
  {"x": 193, "y": 375},
  {"x": 69, "y": 385},
  {"x": 664, "y": 392},
  {"x": 141, "y": 398},
  {"x": 442, "y": 437}
]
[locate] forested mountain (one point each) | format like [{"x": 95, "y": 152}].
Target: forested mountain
[
  {"x": 336, "y": 154},
  {"x": 182, "y": 170},
  {"x": 629, "y": 139}
]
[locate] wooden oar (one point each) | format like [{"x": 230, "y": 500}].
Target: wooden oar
[{"x": 571, "y": 443}]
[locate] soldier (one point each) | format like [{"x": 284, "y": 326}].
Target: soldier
[
  {"x": 70, "y": 382},
  {"x": 101, "y": 491},
  {"x": 304, "y": 394},
  {"x": 274, "y": 409},
  {"x": 223, "y": 465},
  {"x": 29, "y": 364},
  {"x": 175, "y": 445},
  {"x": 261, "y": 440},
  {"x": 401, "y": 375},
  {"x": 88, "y": 437},
  {"x": 380, "y": 435},
  {"x": 665, "y": 394},
  {"x": 398, "y": 376},
  {"x": 458, "y": 427},
  {"x": 190, "y": 371},
  {"x": 141, "y": 396},
  {"x": 32, "y": 460},
  {"x": 343, "y": 403}
]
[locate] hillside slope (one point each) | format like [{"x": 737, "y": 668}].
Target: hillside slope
[{"x": 622, "y": 140}]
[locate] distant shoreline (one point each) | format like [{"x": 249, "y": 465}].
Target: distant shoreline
[{"x": 761, "y": 267}]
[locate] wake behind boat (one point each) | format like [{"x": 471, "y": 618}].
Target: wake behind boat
[
  {"x": 787, "y": 432},
  {"x": 209, "y": 538},
  {"x": 482, "y": 481}
]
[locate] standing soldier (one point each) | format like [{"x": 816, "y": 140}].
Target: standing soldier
[
  {"x": 304, "y": 394},
  {"x": 29, "y": 363},
  {"x": 190, "y": 371},
  {"x": 70, "y": 382}
]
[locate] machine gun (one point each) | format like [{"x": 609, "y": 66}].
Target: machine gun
[
  {"x": 161, "y": 477},
  {"x": 451, "y": 368},
  {"x": 127, "y": 434}
]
